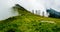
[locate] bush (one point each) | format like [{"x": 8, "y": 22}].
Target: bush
[{"x": 43, "y": 27}]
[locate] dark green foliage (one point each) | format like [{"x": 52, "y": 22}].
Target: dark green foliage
[
  {"x": 20, "y": 7},
  {"x": 11, "y": 30},
  {"x": 33, "y": 26},
  {"x": 53, "y": 13}
]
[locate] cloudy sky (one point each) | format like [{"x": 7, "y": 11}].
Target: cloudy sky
[
  {"x": 5, "y": 6},
  {"x": 55, "y": 4}
]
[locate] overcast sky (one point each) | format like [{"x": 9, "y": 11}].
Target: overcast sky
[
  {"x": 55, "y": 4},
  {"x": 4, "y": 4}
]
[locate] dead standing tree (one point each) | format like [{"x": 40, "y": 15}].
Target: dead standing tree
[{"x": 32, "y": 11}]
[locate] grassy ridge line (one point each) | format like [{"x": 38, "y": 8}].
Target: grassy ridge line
[
  {"x": 28, "y": 15},
  {"x": 25, "y": 22}
]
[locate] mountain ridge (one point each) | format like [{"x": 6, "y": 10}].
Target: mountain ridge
[{"x": 29, "y": 22}]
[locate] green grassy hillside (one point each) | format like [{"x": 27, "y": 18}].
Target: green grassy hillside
[{"x": 29, "y": 22}]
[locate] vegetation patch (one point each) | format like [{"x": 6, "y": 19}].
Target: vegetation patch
[{"x": 29, "y": 22}]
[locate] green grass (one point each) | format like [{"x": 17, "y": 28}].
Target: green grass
[{"x": 29, "y": 22}]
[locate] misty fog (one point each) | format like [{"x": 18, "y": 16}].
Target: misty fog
[{"x": 6, "y": 5}]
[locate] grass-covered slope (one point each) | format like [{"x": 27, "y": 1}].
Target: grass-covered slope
[{"x": 29, "y": 22}]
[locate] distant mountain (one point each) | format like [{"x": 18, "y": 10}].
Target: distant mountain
[{"x": 53, "y": 13}]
